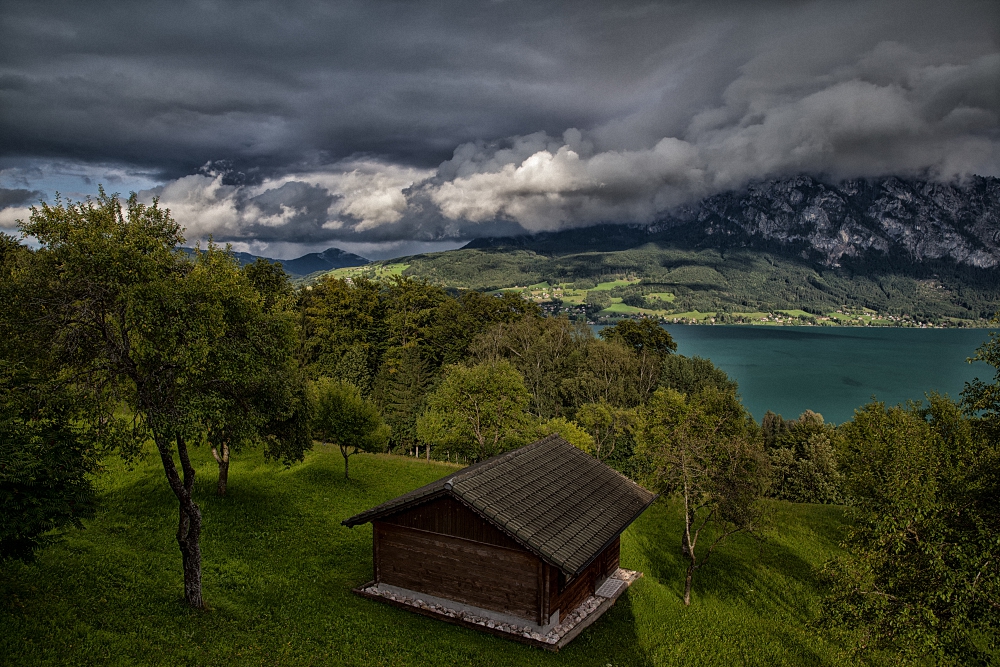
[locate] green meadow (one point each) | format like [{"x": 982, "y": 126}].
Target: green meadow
[{"x": 279, "y": 569}]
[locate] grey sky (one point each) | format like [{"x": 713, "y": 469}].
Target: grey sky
[{"x": 292, "y": 126}]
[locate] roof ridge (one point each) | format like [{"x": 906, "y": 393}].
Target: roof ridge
[{"x": 494, "y": 461}]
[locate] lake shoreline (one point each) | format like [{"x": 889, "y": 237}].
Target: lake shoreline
[{"x": 610, "y": 321}]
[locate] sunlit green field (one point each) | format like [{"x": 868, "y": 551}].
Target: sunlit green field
[
  {"x": 374, "y": 270},
  {"x": 279, "y": 568}
]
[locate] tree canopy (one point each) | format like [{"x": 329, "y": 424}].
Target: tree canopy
[
  {"x": 161, "y": 345},
  {"x": 478, "y": 411},
  {"x": 345, "y": 418},
  {"x": 921, "y": 577},
  {"x": 707, "y": 451}
]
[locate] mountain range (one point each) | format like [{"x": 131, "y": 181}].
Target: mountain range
[
  {"x": 314, "y": 262},
  {"x": 890, "y": 245},
  {"x": 891, "y": 220}
]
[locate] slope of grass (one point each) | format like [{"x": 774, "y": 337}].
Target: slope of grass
[
  {"x": 279, "y": 568},
  {"x": 706, "y": 279}
]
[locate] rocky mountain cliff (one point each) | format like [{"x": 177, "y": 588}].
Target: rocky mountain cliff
[
  {"x": 892, "y": 219},
  {"x": 914, "y": 220}
]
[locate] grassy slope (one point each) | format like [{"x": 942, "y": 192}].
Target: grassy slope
[
  {"x": 278, "y": 569},
  {"x": 705, "y": 280}
]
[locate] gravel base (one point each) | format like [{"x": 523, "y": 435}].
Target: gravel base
[{"x": 570, "y": 621}]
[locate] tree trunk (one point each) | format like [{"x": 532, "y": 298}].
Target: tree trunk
[
  {"x": 687, "y": 584},
  {"x": 223, "y": 461},
  {"x": 687, "y": 546},
  {"x": 343, "y": 450},
  {"x": 428, "y": 448},
  {"x": 189, "y": 520}
]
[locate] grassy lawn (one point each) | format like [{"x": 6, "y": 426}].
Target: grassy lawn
[
  {"x": 690, "y": 315},
  {"x": 625, "y": 309},
  {"x": 380, "y": 270},
  {"x": 279, "y": 567},
  {"x": 610, "y": 285}
]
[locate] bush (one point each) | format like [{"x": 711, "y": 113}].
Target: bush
[{"x": 803, "y": 459}]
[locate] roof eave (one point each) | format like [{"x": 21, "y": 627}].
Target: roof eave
[
  {"x": 611, "y": 539},
  {"x": 371, "y": 515}
]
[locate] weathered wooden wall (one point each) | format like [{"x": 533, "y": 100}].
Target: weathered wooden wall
[
  {"x": 568, "y": 597},
  {"x": 443, "y": 548},
  {"x": 450, "y": 517},
  {"x": 476, "y": 573}
]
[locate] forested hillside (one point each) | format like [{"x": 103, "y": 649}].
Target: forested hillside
[
  {"x": 670, "y": 281},
  {"x": 889, "y": 251}
]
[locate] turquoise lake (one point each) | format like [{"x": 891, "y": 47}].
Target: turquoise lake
[{"x": 835, "y": 370}]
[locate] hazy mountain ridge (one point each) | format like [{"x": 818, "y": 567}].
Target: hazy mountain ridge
[
  {"x": 328, "y": 260},
  {"x": 895, "y": 219}
]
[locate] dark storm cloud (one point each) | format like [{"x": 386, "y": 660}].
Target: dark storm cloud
[
  {"x": 175, "y": 85},
  {"x": 18, "y": 197},
  {"x": 379, "y": 121}
]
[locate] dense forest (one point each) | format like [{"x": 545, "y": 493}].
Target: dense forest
[
  {"x": 116, "y": 342},
  {"x": 737, "y": 280}
]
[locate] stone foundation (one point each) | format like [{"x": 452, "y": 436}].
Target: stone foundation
[{"x": 552, "y": 637}]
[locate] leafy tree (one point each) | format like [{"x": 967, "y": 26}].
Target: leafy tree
[
  {"x": 124, "y": 316},
  {"x": 269, "y": 408},
  {"x": 271, "y": 282},
  {"x": 982, "y": 399},
  {"x": 344, "y": 329},
  {"x": 258, "y": 389},
  {"x": 343, "y": 417},
  {"x": 803, "y": 460},
  {"x": 597, "y": 300},
  {"x": 569, "y": 431},
  {"x": 401, "y": 394},
  {"x": 612, "y": 373},
  {"x": 545, "y": 351},
  {"x": 410, "y": 306},
  {"x": 920, "y": 578},
  {"x": 707, "y": 451},
  {"x": 644, "y": 337},
  {"x": 44, "y": 464},
  {"x": 479, "y": 411},
  {"x": 457, "y": 322},
  {"x": 607, "y": 425},
  {"x": 689, "y": 375},
  {"x": 772, "y": 426},
  {"x": 44, "y": 458}
]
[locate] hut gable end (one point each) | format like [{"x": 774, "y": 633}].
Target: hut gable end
[
  {"x": 448, "y": 516},
  {"x": 549, "y": 497}
]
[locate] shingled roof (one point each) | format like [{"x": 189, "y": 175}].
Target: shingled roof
[{"x": 555, "y": 500}]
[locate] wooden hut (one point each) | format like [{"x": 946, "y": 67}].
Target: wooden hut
[{"x": 527, "y": 535}]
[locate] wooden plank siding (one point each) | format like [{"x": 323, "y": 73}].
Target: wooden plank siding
[
  {"x": 450, "y": 517},
  {"x": 568, "y": 597},
  {"x": 467, "y": 571},
  {"x": 443, "y": 548}
]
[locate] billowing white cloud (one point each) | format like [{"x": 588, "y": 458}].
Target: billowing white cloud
[
  {"x": 888, "y": 112},
  {"x": 344, "y": 201},
  {"x": 552, "y": 189},
  {"x": 10, "y": 216},
  {"x": 203, "y": 204}
]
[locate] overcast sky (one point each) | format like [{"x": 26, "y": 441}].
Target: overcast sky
[{"x": 391, "y": 127}]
